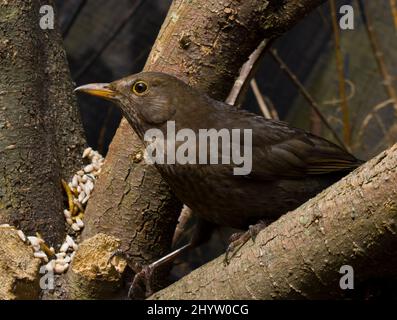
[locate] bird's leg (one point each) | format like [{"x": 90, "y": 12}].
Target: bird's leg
[
  {"x": 237, "y": 240},
  {"x": 142, "y": 284}
]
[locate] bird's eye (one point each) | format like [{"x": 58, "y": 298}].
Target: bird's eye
[{"x": 140, "y": 88}]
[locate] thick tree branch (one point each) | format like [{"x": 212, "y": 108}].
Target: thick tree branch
[
  {"x": 354, "y": 222},
  {"x": 206, "y": 43}
]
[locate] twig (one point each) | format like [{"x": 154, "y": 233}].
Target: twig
[
  {"x": 184, "y": 218},
  {"x": 313, "y": 104},
  {"x": 374, "y": 114},
  {"x": 393, "y": 6},
  {"x": 247, "y": 71},
  {"x": 271, "y": 107},
  {"x": 341, "y": 76},
  {"x": 109, "y": 40},
  {"x": 380, "y": 60},
  {"x": 350, "y": 96},
  {"x": 259, "y": 98},
  {"x": 74, "y": 17}
]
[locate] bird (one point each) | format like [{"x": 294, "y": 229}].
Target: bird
[{"x": 288, "y": 164}]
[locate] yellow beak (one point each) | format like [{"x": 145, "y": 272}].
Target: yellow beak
[{"x": 101, "y": 90}]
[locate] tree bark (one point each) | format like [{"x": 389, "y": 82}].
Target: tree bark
[
  {"x": 203, "y": 43},
  {"x": 299, "y": 256},
  {"x": 19, "y": 269},
  {"x": 133, "y": 205},
  {"x": 91, "y": 276},
  {"x": 68, "y": 129},
  {"x": 41, "y": 136}
]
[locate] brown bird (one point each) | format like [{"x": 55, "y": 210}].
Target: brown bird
[{"x": 288, "y": 165}]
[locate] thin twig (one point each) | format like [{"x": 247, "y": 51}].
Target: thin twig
[
  {"x": 89, "y": 62},
  {"x": 374, "y": 114},
  {"x": 185, "y": 216},
  {"x": 271, "y": 107},
  {"x": 264, "y": 103},
  {"x": 341, "y": 76},
  {"x": 247, "y": 71},
  {"x": 74, "y": 17},
  {"x": 393, "y": 6},
  {"x": 380, "y": 60},
  {"x": 259, "y": 98},
  {"x": 350, "y": 96},
  {"x": 301, "y": 88}
]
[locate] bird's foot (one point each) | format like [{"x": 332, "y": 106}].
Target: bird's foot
[
  {"x": 146, "y": 281},
  {"x": 237, "y": 240},
  {"x": 142, "y": 284}
]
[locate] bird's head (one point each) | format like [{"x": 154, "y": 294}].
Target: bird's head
[{"x": 146, "y": 99}]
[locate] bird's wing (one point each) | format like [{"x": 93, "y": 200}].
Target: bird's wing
[{"x": 279, "y": 150}]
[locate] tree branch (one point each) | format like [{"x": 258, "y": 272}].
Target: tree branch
[
  {"x": 247, "y": 71},
  {"x": 351, "y": 223}
]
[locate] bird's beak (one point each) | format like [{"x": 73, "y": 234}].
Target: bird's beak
[{"x": 101, "y": 90}]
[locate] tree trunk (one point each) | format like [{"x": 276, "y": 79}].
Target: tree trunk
[
  {"x": 136, "y": 205},
  {"x": 41, "y": 136},
  {"x": 299, "y": 256}
]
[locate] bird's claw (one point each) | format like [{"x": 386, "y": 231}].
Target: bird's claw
[
  {"x": 235, "y": 246},
  {"x": 141, "y": 286},
  {"x": 237, "y": 240}
]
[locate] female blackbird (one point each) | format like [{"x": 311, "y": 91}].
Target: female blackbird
[{"x": 289, "y": 165}]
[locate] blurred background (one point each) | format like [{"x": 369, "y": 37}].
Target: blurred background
[{"x": 108, "y": 39}]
